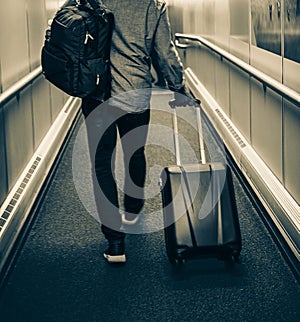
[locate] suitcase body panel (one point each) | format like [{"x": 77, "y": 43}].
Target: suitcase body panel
[{"x": 200, "y": 214}]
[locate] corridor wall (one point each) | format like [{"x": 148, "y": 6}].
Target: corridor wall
[
  {"x": 266, "y": 35},
  {"x": 26, "y": 118}
]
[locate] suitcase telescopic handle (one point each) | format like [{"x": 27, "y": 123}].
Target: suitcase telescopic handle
[
  {"x": 176, "y": 134},
  {"x": 200, "y": 134}
]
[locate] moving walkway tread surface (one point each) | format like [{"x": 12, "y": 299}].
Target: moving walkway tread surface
[{"x": 60, "y": 273}]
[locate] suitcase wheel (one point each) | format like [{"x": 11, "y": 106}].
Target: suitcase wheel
[
  {"x": 232, "y": 258},
  {"x": 236, "y": 256},
  {"x": 180, "y": 262},
  {"x": 177, "y": 262}
]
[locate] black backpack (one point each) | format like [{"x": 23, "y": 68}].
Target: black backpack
[{"x": 75, "y": 55}]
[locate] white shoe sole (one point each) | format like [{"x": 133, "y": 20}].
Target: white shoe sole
[
  {"x": 115, "y": 258},
  {"x": 130, "y": 222}
]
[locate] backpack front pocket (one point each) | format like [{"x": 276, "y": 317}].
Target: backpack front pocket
[{"x": 58, "y": 71}]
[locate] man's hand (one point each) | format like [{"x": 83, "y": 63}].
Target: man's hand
[{"x": 183, "y": 99}]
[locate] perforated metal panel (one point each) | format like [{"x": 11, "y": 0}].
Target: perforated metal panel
[{"x": 12, "y": 204}]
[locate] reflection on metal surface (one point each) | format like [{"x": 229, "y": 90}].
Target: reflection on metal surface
[
  {"x": 292, "y": 30},
  {"x": 267, "y": 17},
  {"x": 266, "y": 24}
]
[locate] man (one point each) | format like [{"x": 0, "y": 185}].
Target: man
[{"x": 141, "y": 29}]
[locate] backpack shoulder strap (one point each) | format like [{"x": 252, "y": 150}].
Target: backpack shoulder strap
[{"x": 97, "y": 6}]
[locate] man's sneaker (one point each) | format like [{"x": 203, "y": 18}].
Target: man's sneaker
[
  {"x": 115, "y": 253},
  {"x": 130, "y": 219}
]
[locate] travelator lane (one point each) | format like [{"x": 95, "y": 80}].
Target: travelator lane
[{"x": 59, "y": 273}]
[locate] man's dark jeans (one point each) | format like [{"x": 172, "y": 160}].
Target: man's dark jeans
[{"x": 133, "y": 129}]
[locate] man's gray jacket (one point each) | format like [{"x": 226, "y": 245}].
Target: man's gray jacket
[{"x": 140, "y": 27}]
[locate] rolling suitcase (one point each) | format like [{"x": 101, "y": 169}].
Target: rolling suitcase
[{"x": 199, "y": 209}]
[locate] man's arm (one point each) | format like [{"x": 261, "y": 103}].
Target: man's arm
[{"x": 166, "y": 53}]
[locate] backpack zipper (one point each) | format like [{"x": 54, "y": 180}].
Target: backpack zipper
[{"x": 87, "y": 37}]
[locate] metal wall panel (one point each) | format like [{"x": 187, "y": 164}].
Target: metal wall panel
[
  {"x": 189, "y": 17},
  {"x": 57, "y": 101},
  {"x": 222, "y": 31},
  {"x": 41, "y": 109},
  {"x": 222, "y": 72},
  {"x": 37, "y": 23},
  {"x": 189, "y": 10},
  {"x": 239, "y": 28},
  {"x": 51, "y": 7},
  {"x": 291, "y": 149},
  {"x": 197, "y": 7},
  {"x": 267, "y": 62},
  {"x": 202, "y": 61},
  {"x": 3, "y": 170},
  {"x": 291, "y": 72},
  {"x": 18, "y": 134},
  {"x": 193, "y": 60},
  {"x": 13, "y": 42},
  {"x": 202, "y": 14},
  {"x": 65, "y": 98},
  {"x": 266, "y": 126},
  {"x": 208, "y": 17},
  {"x": 239, "y": 19},
  {"x": 239, "y": 49},
  {"x": 177, "y": 18},
  {"x": 1, "y": 89},
  {"x": 222, "y": 24},
  {"x": 240, "y": 100},
  {"x": 57, "y": 97}
]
